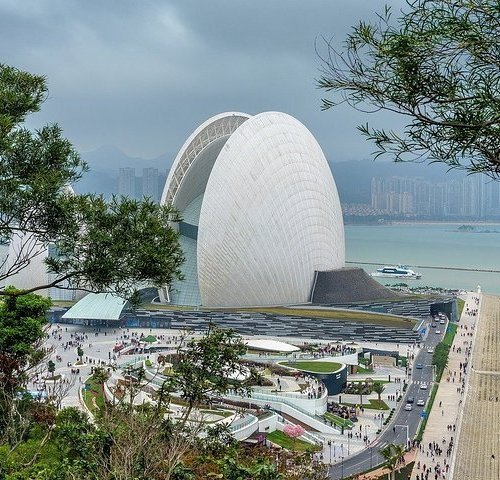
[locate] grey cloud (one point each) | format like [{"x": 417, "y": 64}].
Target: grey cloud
[{"x": 142, "y": 75}]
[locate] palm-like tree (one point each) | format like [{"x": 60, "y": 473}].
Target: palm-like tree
[
  {"x": 378, "y": 388},
  {"x": 360, "y": 388},
  {"x": 392, "y": 454}
]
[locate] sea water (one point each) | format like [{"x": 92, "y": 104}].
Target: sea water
[
  {"x": 424, "y": 244},
  {"x": 429, "y": 245}
]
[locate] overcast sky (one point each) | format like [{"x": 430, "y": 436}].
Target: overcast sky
[{"x": 142, "y": 75}]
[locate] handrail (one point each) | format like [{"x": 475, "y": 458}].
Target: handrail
[
  {"x": 289, "y": 394},
  {"x": 243, "y": 422}
]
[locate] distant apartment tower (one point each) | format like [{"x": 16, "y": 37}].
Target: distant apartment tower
[
  {"x": 150, "y": 183},
  {"x": 393, "y": 195},
  {"x": 126, "y": 182}
]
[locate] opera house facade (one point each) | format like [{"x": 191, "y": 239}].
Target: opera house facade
[{"x": 261, "y": 212}]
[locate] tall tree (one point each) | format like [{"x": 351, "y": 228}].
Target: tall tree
[
  {"x": 378, "y": 388},
  {"x": 22, "y": 356},
  {"x": 96, "y": 245},
  {"x": 392, "y": 454},
  {"x": 438, "y": 67}
]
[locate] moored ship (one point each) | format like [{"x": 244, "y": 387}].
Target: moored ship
[{"x": 399, "y": 271}]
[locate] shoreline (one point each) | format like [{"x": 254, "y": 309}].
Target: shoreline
[{"x": 422, "y": 222}]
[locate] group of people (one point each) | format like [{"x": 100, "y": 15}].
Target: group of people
[{"x": 439, "y": 454}]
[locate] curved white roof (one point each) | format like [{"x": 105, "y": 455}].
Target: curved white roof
[
  {"x": 270, "y": 216},
  {"x": 262, "y": 208},
  {"x": 270, "y": 345}
]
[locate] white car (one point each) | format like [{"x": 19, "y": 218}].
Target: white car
[
  {"x": 430, "y": 350},
  {"x": 409, "y": 407},
  {"x": 420, "y": 402},
  {"x": 423, "y": 386},
  {"x": 438, "y": 331}
]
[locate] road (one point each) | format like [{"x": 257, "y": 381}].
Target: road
[{"x": 396, "y": 432}]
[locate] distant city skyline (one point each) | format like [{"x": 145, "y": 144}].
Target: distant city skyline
[
  {"x": 473, "y": 196},
  {"x": 149, "y": 185}
]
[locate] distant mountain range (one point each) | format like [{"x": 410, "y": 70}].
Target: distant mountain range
[{"x": 353, "y": 178}]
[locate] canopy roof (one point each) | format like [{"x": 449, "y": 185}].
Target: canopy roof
[
  {"x": 97, "y": 306},
  {"x": 271, "y": 345}
]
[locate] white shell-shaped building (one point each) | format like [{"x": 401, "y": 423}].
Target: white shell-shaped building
[{"x": 260, "y": 209}]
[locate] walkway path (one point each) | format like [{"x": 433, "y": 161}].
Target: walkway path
[
  {"x": 478, "y": 449},
  {"x": 434, "y": 456}
]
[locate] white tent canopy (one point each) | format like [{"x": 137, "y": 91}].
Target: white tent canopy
[{"x": 271, "y": 346}]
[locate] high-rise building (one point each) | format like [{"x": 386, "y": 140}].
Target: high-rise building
[
  {"x": 150, "y": 183},
  {"x": 126, "y": 182}
]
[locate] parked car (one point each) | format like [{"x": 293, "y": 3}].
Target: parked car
[{"x": 408, "y": 407}]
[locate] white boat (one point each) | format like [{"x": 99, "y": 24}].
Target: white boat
[{"x": 399, "y": 271}]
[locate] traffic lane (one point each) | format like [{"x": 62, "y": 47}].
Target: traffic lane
[
  {"x": 367, "y": 458},
  {"x": 394, "y": 434}
]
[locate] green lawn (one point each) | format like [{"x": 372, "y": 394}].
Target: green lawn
[
  {"x": 336, "y": 420},
  {"x": 94, "y": 390},
  {"x": 450, "y": 334},
  {"x": 313, "y": 367},
  {"x": 283, "y": 440},
  {"x": 372, "y": 405},
  {"x": 364, "y": 370}
]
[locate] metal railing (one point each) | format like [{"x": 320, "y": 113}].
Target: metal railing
[{"x": 243, "y": 422}]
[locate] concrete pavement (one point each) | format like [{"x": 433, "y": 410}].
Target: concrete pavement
[{"x": 439, "y": 439}]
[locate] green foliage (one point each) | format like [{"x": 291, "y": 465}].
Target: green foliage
[
  {"x": 51, "y": 367},
  {"x": 100, "y": 246},
  {"x": 437, "y": 67},
  {"x": 22, "y": 321},
  {"x": 313, "y": 366},
  {"x": 204, "y": 367},
  {"x": 283, "y": 440},
  {"x": 392, "y": 454},
  {"x": 442, "y": 350}
]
